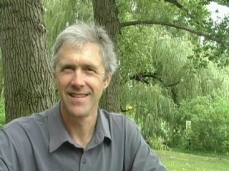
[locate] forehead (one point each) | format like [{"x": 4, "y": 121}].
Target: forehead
[{"x": 86, "y": 52}]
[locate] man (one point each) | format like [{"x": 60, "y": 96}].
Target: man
[{"x": 75, "y": 135}]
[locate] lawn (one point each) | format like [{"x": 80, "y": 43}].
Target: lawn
[{"x": 177, "y": 161}]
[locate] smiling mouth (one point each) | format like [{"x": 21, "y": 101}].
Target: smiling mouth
[{"x": 78, "y": 95}]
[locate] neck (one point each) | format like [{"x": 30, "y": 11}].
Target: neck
[{"x": 80, "y": 129}]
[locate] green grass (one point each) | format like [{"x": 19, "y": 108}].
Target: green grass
[{"x": 178, "y": 161}]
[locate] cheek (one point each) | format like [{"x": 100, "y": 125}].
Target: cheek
[
  {"x": 64, "y": 77},
  {"x": 61, "y": 82}
]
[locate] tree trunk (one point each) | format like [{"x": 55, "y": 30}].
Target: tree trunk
[
  {"x": 28, "y": 85},
  {"x": 106, "y": 14}
]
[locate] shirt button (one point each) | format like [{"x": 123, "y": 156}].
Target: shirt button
[{"x": 84, "y": 161}]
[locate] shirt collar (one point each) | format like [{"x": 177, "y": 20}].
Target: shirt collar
[
  {"x": 59, "y": 135},
  {"x": 102, "y": 130},
  {"x": 57, "y": 131}
]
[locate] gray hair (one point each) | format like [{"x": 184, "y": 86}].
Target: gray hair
[{"x": 81, "y": 33}]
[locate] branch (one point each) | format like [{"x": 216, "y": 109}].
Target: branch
[
  {"x": 181, "y": 7},
  {"x": 174, "y": 2},
  {"x": 140, "y": 77},
  {"x": 150, "y": 22}
]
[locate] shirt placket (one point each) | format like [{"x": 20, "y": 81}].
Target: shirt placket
[{"x": 84, "y": 163}]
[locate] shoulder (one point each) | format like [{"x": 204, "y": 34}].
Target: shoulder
[
  {"x": 35, "y": 118},
  {"x": 25, "y": 126},
  {"x": 117, "y": 117},
  {"x": 118, "y": 120}
]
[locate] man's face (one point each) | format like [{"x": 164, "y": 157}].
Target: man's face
[{"x": 80, "y": 78}]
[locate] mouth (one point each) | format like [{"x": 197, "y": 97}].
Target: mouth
[{"x": 78, "y": 95}]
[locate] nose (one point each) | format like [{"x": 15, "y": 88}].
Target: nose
[{"x": 78, "y": 79}]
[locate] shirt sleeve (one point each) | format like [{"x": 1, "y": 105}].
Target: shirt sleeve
[
  {"x": 139, "y": 155},
  {"x": 8, "y": 156}
]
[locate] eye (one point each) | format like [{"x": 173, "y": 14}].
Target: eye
[
  {"x": 88, "y": 69},
  {"x": 68, "y": 68}
]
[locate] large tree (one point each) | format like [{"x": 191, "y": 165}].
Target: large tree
[
  {"x": 28, "y": 83},
  {"x": 108, "y": 17}
]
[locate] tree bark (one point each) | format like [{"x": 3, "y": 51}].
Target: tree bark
[
  {"x": 106, "y": 14},
  {"x": 28, "y": 85}
]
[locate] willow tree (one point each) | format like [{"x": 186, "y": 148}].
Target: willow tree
[{"x": 28, "y": 84}]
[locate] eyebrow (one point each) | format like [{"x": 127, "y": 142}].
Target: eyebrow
[
  {"x": 91, "y": 66},
  {"x": 71, "y": 65},
  {"x": 64, "y": 64}
]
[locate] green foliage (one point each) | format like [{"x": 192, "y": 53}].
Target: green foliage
[
  {"x": 150, "y": 109},
  {"x": 134, "y": 59},
  {"x": 210, "y": 120},
  {"x": 60, "y": 14},
  {"x": 168, "y": 52},
  {"x": 2, "y": 112},
  {"x": 157, "y": 105},
  {"x": 158, "y": 143}
]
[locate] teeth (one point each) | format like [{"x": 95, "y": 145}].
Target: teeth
[{"x": 78, "y": 96}]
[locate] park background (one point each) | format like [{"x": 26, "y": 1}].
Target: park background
[{"x": 173, "y": 77}]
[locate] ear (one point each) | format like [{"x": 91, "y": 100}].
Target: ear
[{"x": 107, "y": 81}]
